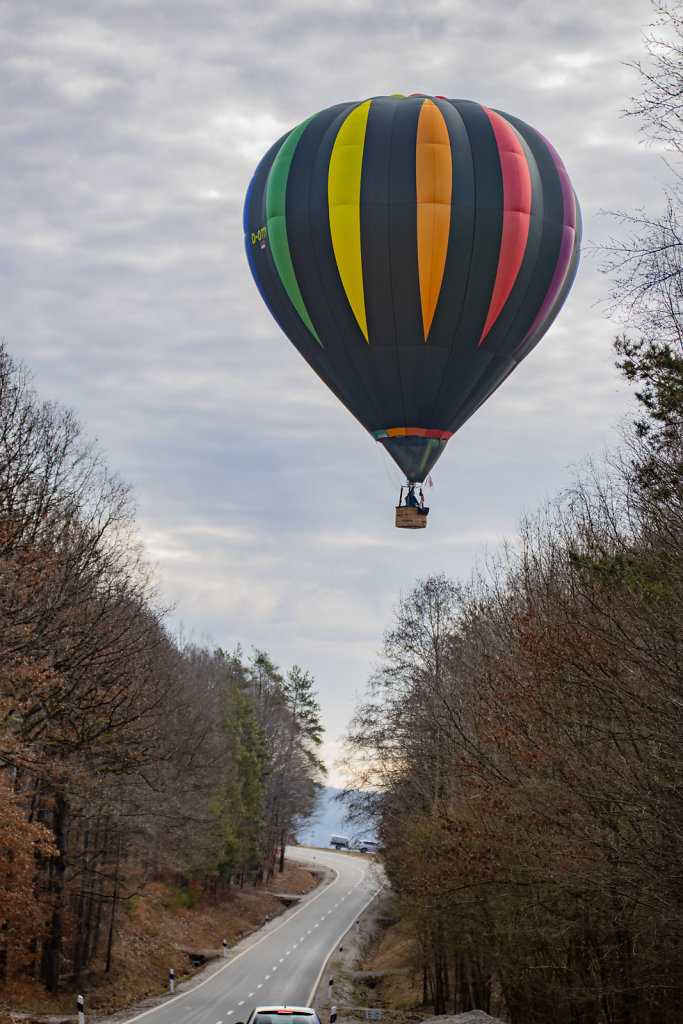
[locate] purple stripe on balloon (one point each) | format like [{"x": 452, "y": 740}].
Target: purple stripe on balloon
[{"x": 566, "y": 247}]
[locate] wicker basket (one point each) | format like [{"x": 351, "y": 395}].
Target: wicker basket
[{"x": 408, "y": 517}]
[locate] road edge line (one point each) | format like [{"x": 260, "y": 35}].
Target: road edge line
[
  {"x": 334, "y": 947},
  {"x": 267, "y": 933}
]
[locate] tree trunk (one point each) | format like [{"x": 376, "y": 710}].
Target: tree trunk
[
  {"x": 95, "y": 930},
  {"x": 81, "y": 952},
  {"x": 52, "y": 948},
  {"x": 110, "y": 938}
]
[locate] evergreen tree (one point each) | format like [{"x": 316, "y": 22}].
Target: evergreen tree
[
  {"x": 240, "y": 803},
  {"x": 305, "y": 710}
]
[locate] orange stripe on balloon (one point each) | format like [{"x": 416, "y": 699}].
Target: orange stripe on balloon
[
  {"x": 516, "y": 214},
  {"x": 434, "y": 179}
]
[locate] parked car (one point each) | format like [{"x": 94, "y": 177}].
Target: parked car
[
  {"x": 366, "y": 845},
  {"x": 283, "y": 1015}
]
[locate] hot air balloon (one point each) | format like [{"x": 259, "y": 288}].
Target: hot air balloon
[{"x": 414, "y": 249}]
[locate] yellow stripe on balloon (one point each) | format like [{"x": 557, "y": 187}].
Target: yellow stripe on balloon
[
  {"x": 343, "y": 193},
  {"x": 434, "y": 178}
]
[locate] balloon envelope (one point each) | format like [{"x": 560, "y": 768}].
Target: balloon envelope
[{"x": 414, "y": 250}]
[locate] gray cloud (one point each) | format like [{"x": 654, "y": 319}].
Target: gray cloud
[{"x": 131, "y": 131}]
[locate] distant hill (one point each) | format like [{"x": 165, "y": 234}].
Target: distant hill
[{"x": 328, "y": 820}]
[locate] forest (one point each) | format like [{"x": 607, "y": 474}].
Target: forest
[
  {"x": 519, "y": 747},
  {"x": 126, "y": 755}
]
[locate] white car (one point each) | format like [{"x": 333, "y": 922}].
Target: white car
[
  {"x": 283, "y": 1015},
  {"x": 366, "y": 846}
]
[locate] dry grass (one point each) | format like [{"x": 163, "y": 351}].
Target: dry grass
[{"x": 395, "y": 958}]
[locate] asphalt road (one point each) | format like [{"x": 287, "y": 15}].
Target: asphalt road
[{"x": 284, "y": 964}]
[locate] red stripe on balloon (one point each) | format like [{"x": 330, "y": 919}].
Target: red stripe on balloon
[
  {"x": 566, "y": 248},
  {"x": 516, "y": 213}
]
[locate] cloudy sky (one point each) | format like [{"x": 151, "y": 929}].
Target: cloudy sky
[{"x": 130, "y": 131}]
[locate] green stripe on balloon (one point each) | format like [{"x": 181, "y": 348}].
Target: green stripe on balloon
[{"x": 276, "y": 219}]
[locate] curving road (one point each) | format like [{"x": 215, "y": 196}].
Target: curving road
[{"x": 285, "y": 963}]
